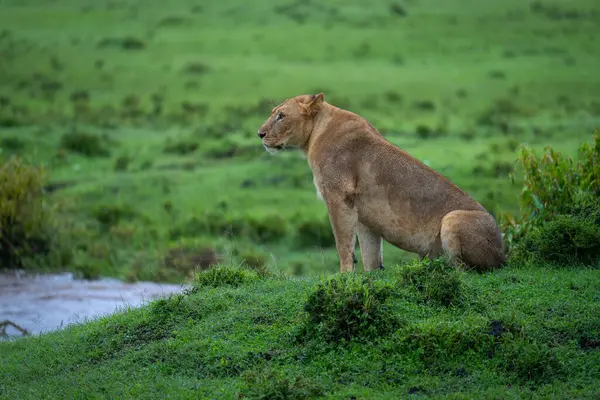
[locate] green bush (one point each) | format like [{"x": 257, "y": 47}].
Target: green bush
[
  {"x": 500, "y": 113},
  {"x": 27, "y": 231},
  {"x": 349, "y": 307},
  {"x": 435, "y": 281},
  {"x": 437, "y": 343},
  {"x": 315, "y": 233},
  {"x": 211, "y": 223},
  {"x": 11, "y": 143},
  {"x": 181, "y": 147},
  {"x": 112, "y": 214},
  {"x": 554, "y": 184},
  {"x": 529, "y": 361},
  {"x": 566, "y": 239},
  {"x": 89, "y": 268},
  {"x": 266, "y": 229},
  {"x": 122, "y": 163},
  {"x": 187, "y": 259},
  {"x": 272, "y": 384},
  {"x": 86, "y": 144},
  {"x": 255, "y": 260},
  {"x": 194, "y": 226},
  {"x": 224, "y": 275}
]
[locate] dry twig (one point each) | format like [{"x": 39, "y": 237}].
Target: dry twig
[{"x": 7, "y": 323}]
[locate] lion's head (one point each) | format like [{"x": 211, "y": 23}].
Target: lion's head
[{"x": 290, "y": 123}]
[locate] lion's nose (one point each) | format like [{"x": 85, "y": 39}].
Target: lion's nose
[{"x": 261, "y": 134}]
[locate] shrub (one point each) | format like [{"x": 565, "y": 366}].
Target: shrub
[
  {"x": 424, "y": 105},
  {"x": 180, "y": 147},
  {"x": 185, "y": 260},
  {"x": 224, "y": 275},
  {"x": 196, "y": 68},
  {"x": 529, "y": 361},
  {"x": 146, "y": 266},
  {"x": 500, "y": 113},
  {"x": 267, "y": 229},
  {"x": 173, "y": 20},
  {"x": 89, "y": 268},
  {"x": 212, "y": 223},
  {"x": 122, "y": 163},
  {"x": 566, "y": 239},
  {"x": 349, "y": 307},
  {"x": 12, "y": 144},
  {"x": 131, "y": 106},
  {"x": 315, "y": 233},
  {"x": 86, "y": 144},
  {"x": 297, "y": 268},
  {"x": 112, "y": 214},
  {"x": 435, "y": 281},
  {"x": 255, "y": 260},
  {"x": 273, "y": 384},
  {"x": 125, "y": 43},
  {"x": 26, "y": 223},
  {"x": 439, "y": 342},
  {"x": 398, "y": 9},
  {"x": 393, "y": 97},
  {"x": 189, "y": 228},
  {"x": 554, "y": 184}
]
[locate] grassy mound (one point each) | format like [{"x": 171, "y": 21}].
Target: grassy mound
[
  {"x": 349, "y": 308},
  {"x": 236, "y": 334},
  {"x": 434, "y": 281}
]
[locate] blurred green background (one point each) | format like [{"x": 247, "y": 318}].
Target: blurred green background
[{"x": 145, "y": 113}]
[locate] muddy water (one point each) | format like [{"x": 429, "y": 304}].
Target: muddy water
[{"x": 42, "y": 303}]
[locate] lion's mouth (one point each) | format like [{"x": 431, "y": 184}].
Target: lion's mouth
[
  {"x": 276, "y": 147},
  {"x": 273, "y": 149}
]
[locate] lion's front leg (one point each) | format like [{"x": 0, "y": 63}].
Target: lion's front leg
[{"x": 344, "y": 220}]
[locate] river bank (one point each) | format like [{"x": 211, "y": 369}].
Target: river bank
[{"x": 41, "y": 303}]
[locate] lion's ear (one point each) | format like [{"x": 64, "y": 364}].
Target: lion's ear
[
  {"x": 313, "y": 106},
  {"x": 318, "y": 98}
]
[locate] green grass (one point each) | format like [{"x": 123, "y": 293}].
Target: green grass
[
  {"x": 522, "y": 332},
  {"x": 146, "y": 118},
  {"x": 165, "y": 105}
]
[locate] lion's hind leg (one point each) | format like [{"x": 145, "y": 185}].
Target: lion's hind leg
[
  {"x": 472, "y": 239},
  {"x": 370, "y": 248}
]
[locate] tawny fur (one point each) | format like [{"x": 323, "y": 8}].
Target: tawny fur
[{"x": 375, "y": 191}]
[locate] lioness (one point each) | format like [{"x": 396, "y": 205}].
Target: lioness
[{"x": 377, "y": 191}]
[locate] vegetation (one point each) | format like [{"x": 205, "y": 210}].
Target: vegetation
[
  {"x": 524, "y": 333},
  {"x": 560, "y": 202},
  {"x": 434, "y": 280},
  {"x": 133, "y": 153},
  {"x": 348, "y": 308},
  {"x": 566, "y": 240},
  {"x": 26, "y": 220},
  {"x": 555, "y": 185}
]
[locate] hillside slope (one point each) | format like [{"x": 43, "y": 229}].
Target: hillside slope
[{"x": 522, "y": 332}]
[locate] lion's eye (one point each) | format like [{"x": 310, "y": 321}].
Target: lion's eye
[{"x": 279, "y": 116}]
